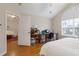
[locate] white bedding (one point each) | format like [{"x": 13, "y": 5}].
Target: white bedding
[
  {"x": 62, "y": 47},
  {"x": 10, "y": 33}
]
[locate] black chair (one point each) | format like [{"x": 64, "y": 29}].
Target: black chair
[{"x": 51, "y": 36}]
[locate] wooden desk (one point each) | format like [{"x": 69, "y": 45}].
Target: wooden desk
[
  {"x": 37, "y": 37},
  {"x": 46, "y": 37}
]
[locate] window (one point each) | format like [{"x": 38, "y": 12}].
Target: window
[
  {"x": 76, "y": 26},
  {"x": 70, "y": 27}
]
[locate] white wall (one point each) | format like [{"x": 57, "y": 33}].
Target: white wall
[
  {"x": 34, "y": 21},
  {"x": 40, "y": 23},
  {"x": 71, "y": 11}
]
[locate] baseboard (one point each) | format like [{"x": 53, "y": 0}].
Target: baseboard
[
  {"x": 3, "y": 53},
  {"x": 23, "y": 44}
]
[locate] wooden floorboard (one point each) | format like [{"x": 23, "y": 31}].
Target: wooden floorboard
[{"x": 15, "y": 50}]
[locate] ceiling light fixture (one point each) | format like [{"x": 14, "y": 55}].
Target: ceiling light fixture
[
  {"x": 13, "y": 16},
  {"x": 19, "y": 4},
  {"x": 50, "y": 12},
  {"x": 50, "y": 4}
]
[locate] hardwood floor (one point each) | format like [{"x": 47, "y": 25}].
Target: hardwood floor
[{"x": 15, "y": 50}]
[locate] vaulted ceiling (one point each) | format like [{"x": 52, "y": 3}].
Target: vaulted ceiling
[{"x": 47, "y": 10}]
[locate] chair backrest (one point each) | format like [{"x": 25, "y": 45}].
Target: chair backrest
[{"x": 51, "y": 35}]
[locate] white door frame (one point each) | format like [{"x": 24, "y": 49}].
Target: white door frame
[{"x": 8, "y": 12}]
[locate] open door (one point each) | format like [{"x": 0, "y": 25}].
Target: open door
[{"x": 24, "y": 31}]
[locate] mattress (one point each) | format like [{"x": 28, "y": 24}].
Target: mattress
[
  {"x": 62, "y": 47},
  {"x": 10, "y": 33}
]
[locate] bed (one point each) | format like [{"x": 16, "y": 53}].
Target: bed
[
  {"x": 62, "y": 47},
  {"x": 10, "y": 34}
]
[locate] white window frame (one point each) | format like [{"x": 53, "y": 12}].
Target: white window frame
[{"x": 73, "y": 35}]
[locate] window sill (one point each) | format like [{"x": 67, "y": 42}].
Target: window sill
[{"x": 70, "y": 36}]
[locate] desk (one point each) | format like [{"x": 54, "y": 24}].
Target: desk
[
  {"x": 37, "y": 37},
  {"x": 50, "y": 37},
  {"x": 46, "y": 37}
]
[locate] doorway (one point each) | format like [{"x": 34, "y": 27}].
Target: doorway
[
  {"x": 12, "y": 27},
  {"x": 12, "y": 32},
  {"x": 18, "y": 34}
]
